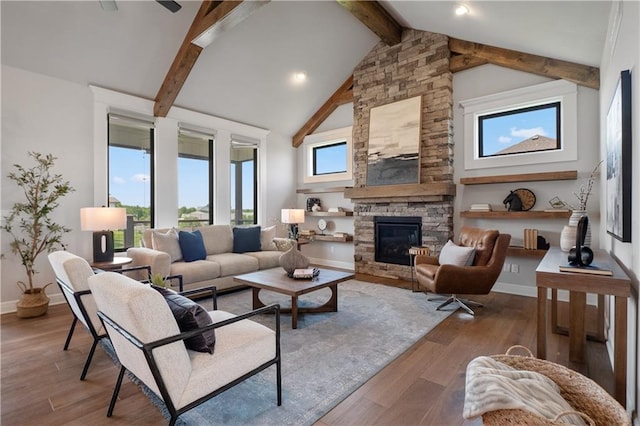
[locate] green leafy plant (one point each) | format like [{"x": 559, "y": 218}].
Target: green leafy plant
[
  {"x": 29, "y": 222},
  {"x": 158, "y": 280}
]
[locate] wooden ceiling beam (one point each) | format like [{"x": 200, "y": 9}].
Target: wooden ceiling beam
[
  {"x": 216, "y": 16},
  {"x": 376, "y": 18},
  {"x": 555, "y": 68},
  {"x": 343, "y": 95},
  {"x": 465, "y": 62}
]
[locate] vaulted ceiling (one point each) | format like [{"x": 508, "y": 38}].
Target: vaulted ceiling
[{"x": 246, "y": 73}]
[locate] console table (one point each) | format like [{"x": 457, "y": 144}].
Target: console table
[{"x": 548, "y": 276}]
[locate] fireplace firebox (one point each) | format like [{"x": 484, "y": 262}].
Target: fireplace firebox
[{"x": 394, "y": 235}]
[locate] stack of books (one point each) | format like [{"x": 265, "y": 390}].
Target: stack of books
[
  {"x": 480, "y": 208},
  {"x": 305, "y": 274},
  {"x": 586, "y": 269},
  {"x": 306, "y": 232},
  {"x": 530, "y": 239}
]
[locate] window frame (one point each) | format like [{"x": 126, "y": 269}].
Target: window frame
[
  {"x": 210, "y": 137},
  {"x": 560, "y": 91},
  {"x": 325, "y": 139}
]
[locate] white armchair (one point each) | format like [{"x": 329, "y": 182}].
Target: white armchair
[
  {"x": 149, "y": 344},
  {"x": 72, "y": 273}
]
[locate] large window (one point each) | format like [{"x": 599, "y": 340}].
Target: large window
[
  {"x": 131, "y": 176},
  {"x": 244, "y": 182},
  {"x": 195, "y": 178}
]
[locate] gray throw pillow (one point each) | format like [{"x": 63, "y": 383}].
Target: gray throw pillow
[{"x": 453, "y": 254}]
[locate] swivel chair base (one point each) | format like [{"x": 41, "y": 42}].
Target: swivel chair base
[{"x": 461, "y": 303}]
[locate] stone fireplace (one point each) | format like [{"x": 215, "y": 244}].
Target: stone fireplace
[
  {"x": 394, "y": 235},
  {"x": 418, "y": 66}
]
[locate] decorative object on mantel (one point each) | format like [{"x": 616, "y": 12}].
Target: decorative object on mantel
[
  {"x": 520, "y": 199},
  {"x": 292, "y": 260},
  {"x": 568, "y": 234}
]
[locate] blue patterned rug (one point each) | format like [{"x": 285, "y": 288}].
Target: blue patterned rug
[{"x": 327, "y": 358}]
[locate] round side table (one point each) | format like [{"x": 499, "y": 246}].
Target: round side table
[{"x": 413, "y": 252}]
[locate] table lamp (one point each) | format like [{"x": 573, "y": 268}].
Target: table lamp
[
  {"x": 102, "y": 221},
  {"x": 293, "y": 217}
]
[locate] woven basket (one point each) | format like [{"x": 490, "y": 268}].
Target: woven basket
[{"x": 583, "y": 394}]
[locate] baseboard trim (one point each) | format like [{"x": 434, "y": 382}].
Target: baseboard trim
[{"x": 10, "y": 305}]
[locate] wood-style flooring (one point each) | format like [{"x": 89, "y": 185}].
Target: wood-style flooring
[{"x": 40, "y": 382}]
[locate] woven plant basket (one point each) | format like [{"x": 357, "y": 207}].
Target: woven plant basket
[
  {"x": 583, "y": 394},
  {"x": 33, "y": 303}
]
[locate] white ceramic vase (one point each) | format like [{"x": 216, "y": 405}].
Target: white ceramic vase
[{"x": 568, "y": 234}]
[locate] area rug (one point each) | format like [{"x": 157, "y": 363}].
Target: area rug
[{"x": 326, "y": 358}]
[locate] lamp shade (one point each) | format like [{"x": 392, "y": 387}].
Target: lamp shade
[
  {"x": 103, "y": 218},
  {"x": 292, "y": 215}
]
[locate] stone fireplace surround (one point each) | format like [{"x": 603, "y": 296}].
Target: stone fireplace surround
[{"x": 419, "y": 65}]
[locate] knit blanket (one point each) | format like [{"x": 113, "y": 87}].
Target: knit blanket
[{"x": 492, "y": 385}]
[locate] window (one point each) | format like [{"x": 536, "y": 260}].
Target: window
[
  {"x": 195, "y": 178},
  {"x": 130, "y": 182},
  {"x": 328, "y": 156},
  {"x": 517, "y": 131},
  {"x": 244, "y": 181},
  {"x": 329, "y": 159},
  {"x": 531, "y": 125}
]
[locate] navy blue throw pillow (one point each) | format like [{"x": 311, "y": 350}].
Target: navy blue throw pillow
[
  {"x": 192, "y": 246},
  {"x": 246, "y": 239}
]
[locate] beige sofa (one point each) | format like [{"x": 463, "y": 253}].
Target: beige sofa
[{"x": 162, "y": 252}]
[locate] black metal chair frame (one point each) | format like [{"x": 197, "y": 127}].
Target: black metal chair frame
[
  {"x": 147, "y": 349},
  {"x": 77, "y": 295}
]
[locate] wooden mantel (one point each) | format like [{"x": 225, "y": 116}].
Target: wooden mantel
[{"x": 402, "y": 191}]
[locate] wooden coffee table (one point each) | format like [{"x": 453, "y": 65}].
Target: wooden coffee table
[{"x": 276, "y": 280}]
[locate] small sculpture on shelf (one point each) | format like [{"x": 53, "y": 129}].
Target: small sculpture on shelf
[{"x": 512, "y": 202}]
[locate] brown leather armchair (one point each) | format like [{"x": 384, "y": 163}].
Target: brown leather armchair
[{"x": 490, "y": 252}]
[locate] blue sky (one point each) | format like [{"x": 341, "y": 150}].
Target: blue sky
[
  {"x": 503, "y": 132},
  {"x": 130, "y": 173}
]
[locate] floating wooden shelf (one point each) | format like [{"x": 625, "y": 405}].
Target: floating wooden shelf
[
  {"x": 525, "y": 177},
  {"x": 330, "y": 214},
  {"x": 327, "y": 237},
  {"x": 522, "y": 252},
  {"x": 320, "y": 190},
  {"x": 531, "y": 214}
]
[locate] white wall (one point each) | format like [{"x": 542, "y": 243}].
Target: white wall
[
  {"x": 322, "y": 252},
  {"x": 622, "y": 52},
  {"x": 491, "y": 79},
  {"x": 45, "y": 114}
]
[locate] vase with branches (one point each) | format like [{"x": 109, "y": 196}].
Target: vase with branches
[{"x": 31, "y": 227}]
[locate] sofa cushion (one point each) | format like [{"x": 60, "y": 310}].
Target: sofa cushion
[
  {"x": 191, "y": 316},
  {"x": 452, "y": 254},
  {"x": 246, "y": 239},
  {"x": 266, "y": 238},
  {"x": 234, "y": 263},
  {"x": 192, "y": 246},
  {"x": 167, "y": 242},
  {"x": 193, "y": 272},
  {"x": 266, "y": 259},
  {"x": 217, "y": 238}
]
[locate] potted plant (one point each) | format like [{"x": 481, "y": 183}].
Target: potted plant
[{"x": 30, "y": 225}]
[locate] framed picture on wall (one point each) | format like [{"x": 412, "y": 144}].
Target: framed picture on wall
[
  {"x": 619, "y": 160},
  {"x": 393, "y": 156}
]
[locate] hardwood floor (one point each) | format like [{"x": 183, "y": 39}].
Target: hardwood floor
[{"x": 40, "y": 383}]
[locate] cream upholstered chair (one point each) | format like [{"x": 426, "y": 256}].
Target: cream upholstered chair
[
  {"x": 149, "y": 344},
  {"x": 482, "y": 254},
  {"x": 72, "y": 273}
]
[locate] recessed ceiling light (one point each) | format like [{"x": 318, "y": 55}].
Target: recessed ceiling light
[
  {"x": 462, "y": 10},
  {"x": 300, "y": 76}
]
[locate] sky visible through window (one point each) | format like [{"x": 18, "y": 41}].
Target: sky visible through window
[
  {"x": 129, "y": 172},
  {"x": 331, "y": 158},
  {"x": 505, "y": 131}
]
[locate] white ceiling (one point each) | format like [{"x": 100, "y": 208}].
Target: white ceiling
[{"x": 245, "y": 75}]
